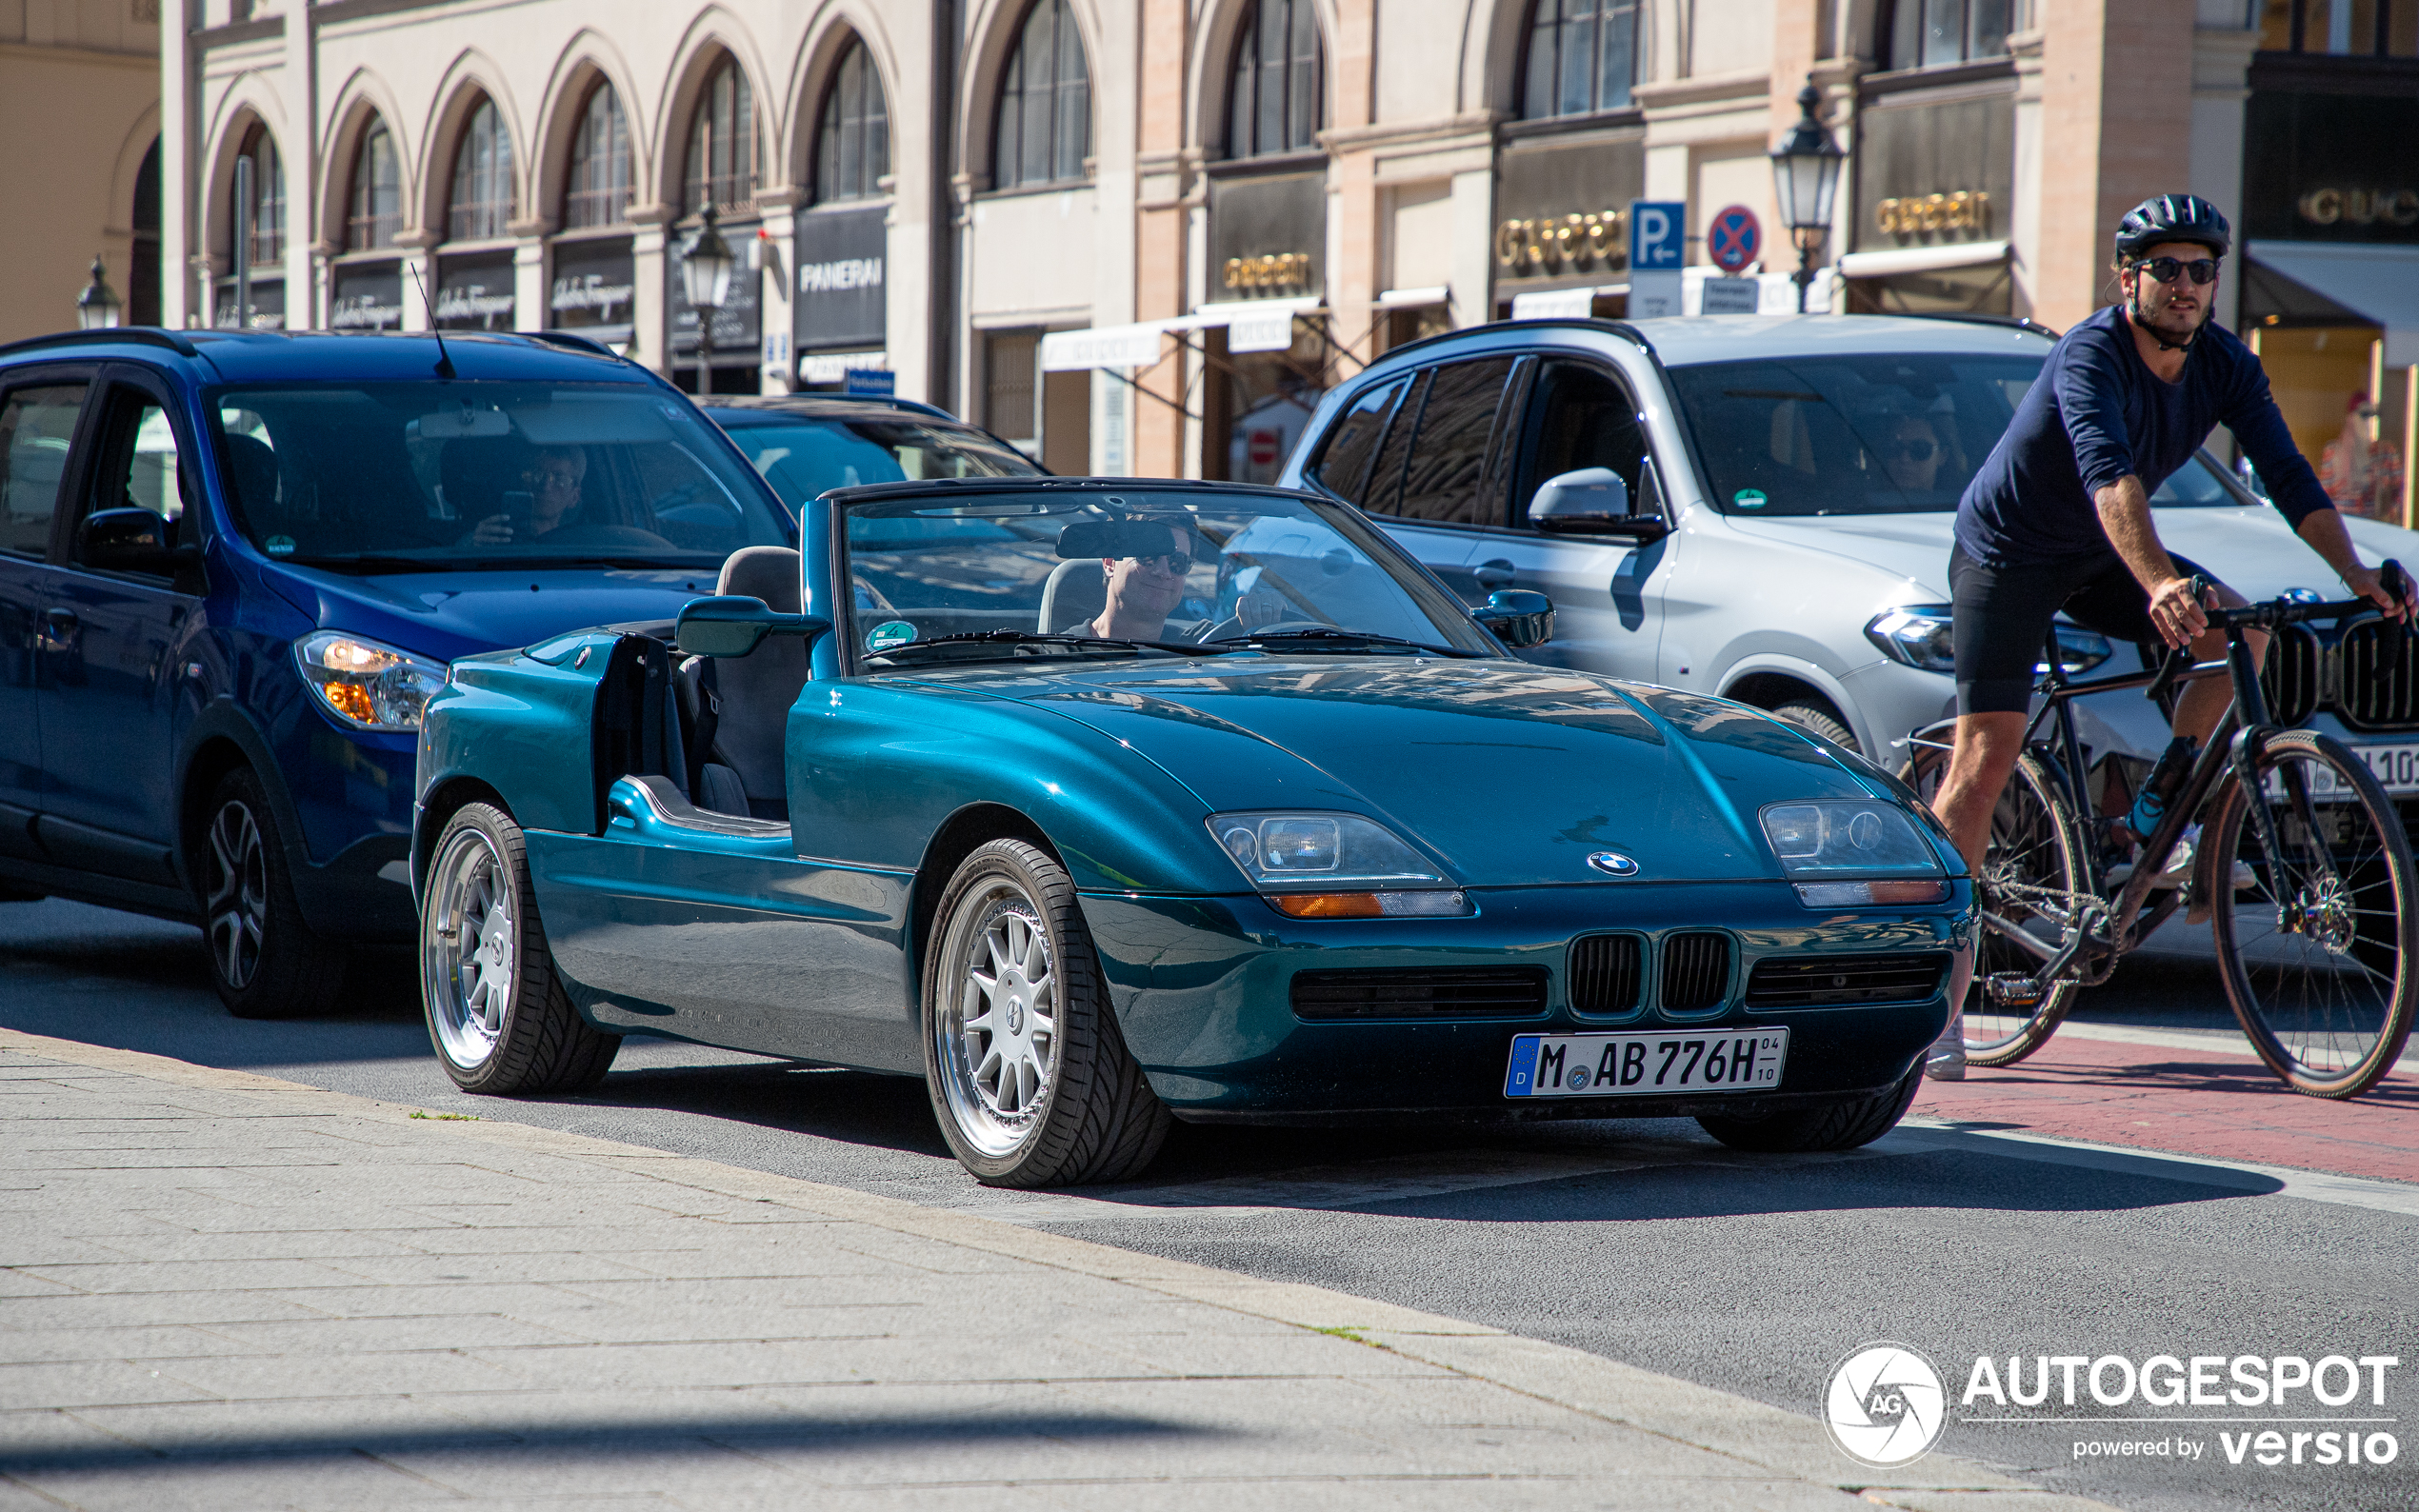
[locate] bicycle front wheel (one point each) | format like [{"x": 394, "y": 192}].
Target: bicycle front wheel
[
  {"x": 2315, "y": 937},
  {"x": 2031, "y": 880}
]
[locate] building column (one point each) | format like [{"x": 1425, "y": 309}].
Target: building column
[
  {"x": 180, "y": 138},
  {"x": 2221, "y": 88},
  {"x": 1168, "y": 191},
  {"x": 650, "y": 336},
  {"x": 1352, "y": 206},
  {"x": 418, "y": 293},
  {"x": 298, "y": 156},
  {"x": 2024, "y": 216},
  {"x": 775, "y": 257},
  {"x": 2114, "y": 87},
  {"x": 531, "y": 307}
]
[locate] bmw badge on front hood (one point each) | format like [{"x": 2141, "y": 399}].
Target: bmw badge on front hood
[{"x": 1613, "y": 864}]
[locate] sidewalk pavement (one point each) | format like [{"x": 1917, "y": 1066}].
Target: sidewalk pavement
[
  {"x": 222, "y": 1290},
  {"x": 2186, "y": 1093}
]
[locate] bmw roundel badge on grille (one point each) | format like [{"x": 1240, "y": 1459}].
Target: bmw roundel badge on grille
[{"x": 1613, "y": 864}]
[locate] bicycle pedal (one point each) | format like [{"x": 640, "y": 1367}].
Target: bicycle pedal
[{"x": 2011, "y": 989}]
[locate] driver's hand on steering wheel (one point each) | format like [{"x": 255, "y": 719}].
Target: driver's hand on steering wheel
[
  {"x": 1256, "y": 610},
  {"x": 2177, "y": 615}
]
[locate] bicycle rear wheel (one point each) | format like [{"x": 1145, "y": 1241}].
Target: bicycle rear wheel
[
  {"x": 2030, "y": 872},
  {"x": 2317, "y": 953}
]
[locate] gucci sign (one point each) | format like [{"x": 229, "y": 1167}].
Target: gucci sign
[
  {"x": 1555, "y": 244},
  {"x": 2333, "y": 206},
  {"x": 1914, "y": 214},
  {"x": 1274, "y": 271}
]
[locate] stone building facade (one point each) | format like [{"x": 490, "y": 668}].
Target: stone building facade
[{"x": 1141, "y": 235}]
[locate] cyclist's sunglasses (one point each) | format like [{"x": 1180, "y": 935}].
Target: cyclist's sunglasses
[{"x": 2204, "y": 269}]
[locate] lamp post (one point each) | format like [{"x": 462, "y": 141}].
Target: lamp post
[
  {"x": 1805, "y": 175},
  {"x": 98, "y": 306},
  {"x": 704, "y": 271}
]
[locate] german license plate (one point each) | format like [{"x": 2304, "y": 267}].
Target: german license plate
[
  {"x": 1637, "y": 1065},
  {"x": 2396, "y": 767}
]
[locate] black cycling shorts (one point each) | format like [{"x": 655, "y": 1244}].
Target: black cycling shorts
[{"x": 2003, "y": 617}]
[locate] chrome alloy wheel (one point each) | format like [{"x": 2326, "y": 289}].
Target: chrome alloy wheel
[
  {"x": 999, "y": 1040},
  {"x": 237, "y": 909},
  {"x": 470, "y": 948}
]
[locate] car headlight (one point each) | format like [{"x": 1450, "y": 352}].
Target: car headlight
[
  {"x": 1918, "y": 635},
  {"x": 1323, "y": 865},
  {"x": 366, "y": 685},
  {"x": 1852, "y": 853}
]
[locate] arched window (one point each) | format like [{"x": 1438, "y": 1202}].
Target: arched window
[
  {"x": 596, "y": 191},
  {"x": 269, "y": 197},
  {"x": 482, "y": 203},
  {"x": 373, "y": 213},
  {"x": 852, "y": 144},
  {"x": 143, "y": 268},
  {"x": 1583, "y": 57},
  {"x": 722, "y": 142},
  {"x": 1045, "y": 129},
  {"x": 1275, "y": 104},
  {"x": 1929, "y": 33}
]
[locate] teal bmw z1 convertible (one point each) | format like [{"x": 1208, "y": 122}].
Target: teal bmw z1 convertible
[{"x": 1101, "y": 803}]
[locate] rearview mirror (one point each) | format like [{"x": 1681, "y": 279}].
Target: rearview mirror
[
  {"x": 1591, "y": 501},
  {"x": 1519, "y": 618},
  {"x": 735, "y": 625}
]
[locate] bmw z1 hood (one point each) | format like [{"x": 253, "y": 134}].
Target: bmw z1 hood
[
  {"x": 1512, "y": 774},
  {"x": 443, "y": 615}
]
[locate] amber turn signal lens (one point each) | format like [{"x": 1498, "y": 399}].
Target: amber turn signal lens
[
  {"x": 1926, "y": 890},
  {"x": 352, "y": 701},
  {"x": 1329, "y": 904}
]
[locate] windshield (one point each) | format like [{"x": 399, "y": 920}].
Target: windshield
[
  {"x": 387, "y": 477},
  {"x": 802, "y": 456},
  {"x": 1192, "y": 571}
]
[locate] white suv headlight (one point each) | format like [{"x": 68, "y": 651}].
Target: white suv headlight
[
  {"x": 365, "y": 684},
  {"x": 1918, "y": 634}
]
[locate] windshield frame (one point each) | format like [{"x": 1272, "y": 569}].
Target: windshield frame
[
  {"x": 770, "y": 418},
  {"x": 1462, "y": 632}
]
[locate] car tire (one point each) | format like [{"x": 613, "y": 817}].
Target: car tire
[
  {"x": 1029, "y": 1073},
  {"x": 497, "y": 1012},
  {"x": 1822, "y": 722},
  {"x": 265, "y": 961},
  {"x": 1842, "y": 1125}
]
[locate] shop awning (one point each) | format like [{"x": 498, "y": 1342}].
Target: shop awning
[
  {"x": 2380, "y": 284},
  {"x": 1252, "y": 325},
  {"x": 1921, "y": 259}
]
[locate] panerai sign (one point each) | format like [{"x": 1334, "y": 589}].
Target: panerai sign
[
  {"x": 2352, "y": 206},
  {"x": 1547, "y": 245}
]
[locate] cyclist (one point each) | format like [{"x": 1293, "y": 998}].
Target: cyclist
[{"x": 2059, "y": 516}]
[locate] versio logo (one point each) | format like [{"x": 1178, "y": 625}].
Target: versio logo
[{"x": 1885, "y": 1405}]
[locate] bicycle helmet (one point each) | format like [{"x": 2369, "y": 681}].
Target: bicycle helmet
[{"x": 2172, "y": 218}]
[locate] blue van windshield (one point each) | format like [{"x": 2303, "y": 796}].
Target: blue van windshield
[{"x": 422, "y": 476}]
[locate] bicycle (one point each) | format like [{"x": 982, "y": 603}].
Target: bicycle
[{"x": 2310, "y": 887}]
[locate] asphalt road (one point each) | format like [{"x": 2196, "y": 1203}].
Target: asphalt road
[{"x": 1644, "y": 1242}]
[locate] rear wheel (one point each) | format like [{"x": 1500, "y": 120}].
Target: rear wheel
[
  {"x": 1845, "y": 1125},
  {"x": 2030, "y": 873},
  {"x": 2317, "y": 951},
  {"x": 263, "y": 959}
]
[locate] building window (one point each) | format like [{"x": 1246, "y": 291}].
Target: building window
[
  {"x": 722, "y": 143},
  {"x": 269, "y": 197},
  {"x": 1045, "y": 130},
  {"x": 1010, "y": 358},
  {"x": 852, "y": 144},
  {"x": 1929, "y": 33},
  {"x": 596, "y": 191},
  {"x": 1583, "y": 57},
  {"x": 1275, "y": 105},
  {"x": 482, "y": 201},
  {"x": 143, "y": 268},
  {"x": 373, "y": 213},
  {"x": 2375, "y": 28}
]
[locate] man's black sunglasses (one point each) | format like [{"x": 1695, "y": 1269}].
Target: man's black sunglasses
[{"x": 2204, "y": 269}]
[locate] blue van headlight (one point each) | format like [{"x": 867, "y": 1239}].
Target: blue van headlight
[{"x": 366, "y": 685}]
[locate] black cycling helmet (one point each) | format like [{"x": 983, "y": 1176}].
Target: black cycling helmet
[{"x": 2172, "y": 218}]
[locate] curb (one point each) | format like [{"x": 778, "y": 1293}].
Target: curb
[{"x": 1783, "y": 1443}]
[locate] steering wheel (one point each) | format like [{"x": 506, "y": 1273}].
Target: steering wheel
[{"x": 605, "y": 535}]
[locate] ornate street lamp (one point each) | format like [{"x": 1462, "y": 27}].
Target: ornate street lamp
[
  {"x": 705, "y": 270},
  {"x": 98, "y": 306},
  {"x": 1805, "y": 175}
]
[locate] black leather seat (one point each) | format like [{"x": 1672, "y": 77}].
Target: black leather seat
[{"x": 743, "y": 769}]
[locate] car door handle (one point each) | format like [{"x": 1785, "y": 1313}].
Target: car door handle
[
  {"x": 58, "y": 630},
  {"x": 1496, "y": 573}
]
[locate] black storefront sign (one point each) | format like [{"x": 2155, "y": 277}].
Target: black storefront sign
[
  {"x": 843, "y": 302},
  {"x": 1934, "y": 174},
  {"x": 2331, "y": 168},
  {"x": 1561, "y": 212},
  {"x": 476, "y": 293},
  {"x": 269, "y": 303},
  {"x": 739, "y": 324},
  {"x": 591, "y": 288},
  {"x": 368, "y": 297},
  {"x": 1268, "y": 236}
]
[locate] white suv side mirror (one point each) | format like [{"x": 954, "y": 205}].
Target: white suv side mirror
[{"x": 1591, "y": 501}]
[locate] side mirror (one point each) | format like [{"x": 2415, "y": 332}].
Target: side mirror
[
  {"x": 126, "y": 541},
  {"x": 736, "y": 625},
  {"x": 1519, "y": 618},
  {"x": 1592, "y": 500}
]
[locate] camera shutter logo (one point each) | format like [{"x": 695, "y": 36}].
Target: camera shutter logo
[{"x": 1885, "y": 1405}]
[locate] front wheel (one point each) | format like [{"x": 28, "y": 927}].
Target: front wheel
[
  {"x": 2314, "y": 939},
  {"x": 265, "y": 961},
  {"x": 1847, "y": 1124},
  {"x": 1030, "y": 1077}
]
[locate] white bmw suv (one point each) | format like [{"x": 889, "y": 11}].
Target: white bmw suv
[{"x": 1761, "y": 508}]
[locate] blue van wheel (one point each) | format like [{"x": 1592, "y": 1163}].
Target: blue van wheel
[{"x": 263, "y": 959}]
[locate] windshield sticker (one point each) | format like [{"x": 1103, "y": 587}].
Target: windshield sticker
[
  {"x": 1749, "y": 499},
  {"x": 889, "y": 634},
  {"x": 279, "y": 545}
]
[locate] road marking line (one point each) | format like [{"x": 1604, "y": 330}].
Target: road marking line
[
  {"x": 2216, "y": 1041},
  {"x": 1916, "y": 1135}
]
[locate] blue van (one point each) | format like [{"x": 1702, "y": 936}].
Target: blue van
[{"x": 233, "y": 567}]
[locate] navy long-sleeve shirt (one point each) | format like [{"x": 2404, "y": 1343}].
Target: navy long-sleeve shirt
[{"x": 2096, "y": 413}]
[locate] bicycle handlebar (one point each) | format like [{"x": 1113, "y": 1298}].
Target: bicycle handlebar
[{"x": 2273, "y": 612}]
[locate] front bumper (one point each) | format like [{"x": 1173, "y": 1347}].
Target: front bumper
[{"x": 1203, "y": 991}]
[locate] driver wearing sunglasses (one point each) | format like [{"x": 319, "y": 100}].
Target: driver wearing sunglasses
[
  {"x": 1143, "y": 590},
  {"x": 2059, "y": 517}
]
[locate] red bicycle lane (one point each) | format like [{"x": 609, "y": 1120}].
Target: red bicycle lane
[{"x": 2184, "y": 1101}]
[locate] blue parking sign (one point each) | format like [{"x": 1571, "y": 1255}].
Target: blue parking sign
[{"x": 1658, "y": 238}]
